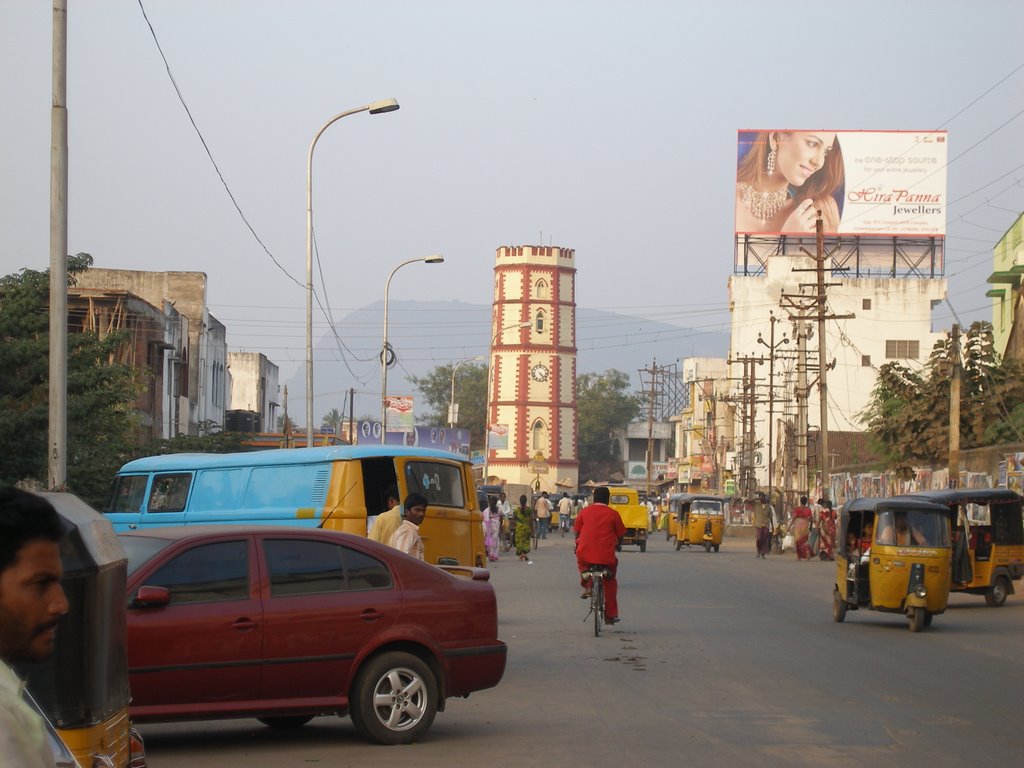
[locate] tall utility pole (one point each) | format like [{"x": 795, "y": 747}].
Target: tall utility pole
[
  {"x": 653, "y": 394},
  {"x": 802, "y": 390},
  {"x": 821, "y": 299},
  {"x": 748, "y": 404},
  {"x": 772, "y": 346},
  {"x": 955, "y": 376},
  {"x": 57, "y": 460},
  {"x": 815, "y": 307}
]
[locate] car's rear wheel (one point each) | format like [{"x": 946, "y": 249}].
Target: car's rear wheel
[
  {"x": 285, "y": 722},
  {"x": 394, "y": 699}
]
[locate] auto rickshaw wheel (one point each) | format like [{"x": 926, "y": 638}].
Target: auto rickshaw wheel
[
  {"x": 717, "y": 546},
  {"x": 996, "y": 595},
  {"x": 838, "y": 608},
  {"x": 707, "y": 547},
  {"x": 679, "y": 545},
  {"x": 917, "y": 617},
  {"x": 643, "y": 545},
  {"x": 928, "y": 618}
]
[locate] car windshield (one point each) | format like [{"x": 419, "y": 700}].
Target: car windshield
[{"x": 140, "y": 549}]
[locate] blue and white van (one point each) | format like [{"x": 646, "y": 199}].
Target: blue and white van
[{"x": 336, "y": 487}]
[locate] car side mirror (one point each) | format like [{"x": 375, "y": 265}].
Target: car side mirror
[{"x": 148, "y": 597}]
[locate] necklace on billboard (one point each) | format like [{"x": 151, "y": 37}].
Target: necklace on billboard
[{"x": 764, "y": 205}]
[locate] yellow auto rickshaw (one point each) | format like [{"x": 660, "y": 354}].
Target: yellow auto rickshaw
[
  {"x": 893, "y": 555},
  {"x": 83, "y": 687},
  {"x": 988, "y": 539},
  {"x": 699, "y": 520}
]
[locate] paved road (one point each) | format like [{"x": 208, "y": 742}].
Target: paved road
[{"x": 721, "y": 660}]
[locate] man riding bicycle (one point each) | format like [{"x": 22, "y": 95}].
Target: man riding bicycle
[{"x": 599, "y": 530}]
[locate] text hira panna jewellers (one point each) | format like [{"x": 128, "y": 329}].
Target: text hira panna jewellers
[{"x": 902, "y": 200}]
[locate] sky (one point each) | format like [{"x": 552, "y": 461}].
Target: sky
[{"x": 606, "y": 127}]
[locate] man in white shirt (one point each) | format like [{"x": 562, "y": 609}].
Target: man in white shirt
[
  {"x": 31, "y": 603},
  {"x": 406, "y": 537}
]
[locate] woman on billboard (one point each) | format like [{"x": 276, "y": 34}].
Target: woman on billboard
[{"x": 785, "y": 177}]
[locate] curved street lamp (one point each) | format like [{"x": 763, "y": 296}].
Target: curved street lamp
[
  {"x": 387, "y": 356},
  {"x": 490, "y": 381},
  {"x": 376, "y": 108}
]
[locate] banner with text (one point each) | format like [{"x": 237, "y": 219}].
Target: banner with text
[{"x": 876, "y": 183}]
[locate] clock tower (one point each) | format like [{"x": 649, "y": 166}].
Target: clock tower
[{"x": 532, "y": 382}]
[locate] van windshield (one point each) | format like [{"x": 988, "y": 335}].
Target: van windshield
[{"x": 127, "y": 493}]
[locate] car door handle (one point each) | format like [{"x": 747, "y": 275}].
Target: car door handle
[
  {"x": 370, "y": 614},
  {"x": 244, "y": 624}
]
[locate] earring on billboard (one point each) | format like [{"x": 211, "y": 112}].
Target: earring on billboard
[{"x": 771, "y": 161}]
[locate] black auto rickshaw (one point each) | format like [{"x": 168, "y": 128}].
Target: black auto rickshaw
[
  {"x": 893, "y": 555},
  {"x": 988, "y": 539},
  {"x": 83, "y": 687}
]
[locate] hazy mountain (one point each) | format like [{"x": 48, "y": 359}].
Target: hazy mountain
[{"x": 426, "y": 334}]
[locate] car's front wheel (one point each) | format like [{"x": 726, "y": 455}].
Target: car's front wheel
[{"x": 394, "y": 699}]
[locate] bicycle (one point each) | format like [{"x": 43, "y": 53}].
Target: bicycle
[{"x": 596, "y": 574}]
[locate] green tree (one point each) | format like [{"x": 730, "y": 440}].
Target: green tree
[
  {"x": 908, "y": 413},
  {"x": 603, "y": 404},
  {"x": 332, "y": 419},
  {"x": 470, "y": 394},
  {"x": 100, "y": 391}
]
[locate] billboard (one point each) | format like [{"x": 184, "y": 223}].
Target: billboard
[
  {"x": 400, "y": 412},
  {"x": 441, "y": 438},
  {"x": 875, "y": 183},
  {"x": 497, "y": 437}
]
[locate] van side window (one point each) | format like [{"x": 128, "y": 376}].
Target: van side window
[
  {"x": 315, "y": 567},
  {"x": 169, "y": 492},
  {"x": 440, "y": 483},
  {"x": 207, "y": 573}
]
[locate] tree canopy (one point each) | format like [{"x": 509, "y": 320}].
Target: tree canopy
[
  {"x": 470, "y": 395},
  {"x": 908, "y": 413},
  {"x": 100, "y": 391},
  {"x": 603, "y": 404}
]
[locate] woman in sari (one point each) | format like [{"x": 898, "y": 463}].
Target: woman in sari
[
  {"x": 827, "y": 540},
  {"x": 801, "y": 529},
  {"x": 523, "y": 517},
  {"x": 492, "y": 523}
]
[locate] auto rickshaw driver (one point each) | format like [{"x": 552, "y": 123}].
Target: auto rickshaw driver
[{"x": 900, "y": 533}]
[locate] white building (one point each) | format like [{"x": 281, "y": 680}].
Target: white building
[
  {"x": 703, "y": 433},
  {"x": 254, "y": 387},
  {"x": 892, "y": 320}
]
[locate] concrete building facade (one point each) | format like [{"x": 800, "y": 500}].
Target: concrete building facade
[
  {"x": 703, "y": 428},
  {"x": 1007, "y": 273},
  {"x": 891, "y": 320},
  {"x": 198, "y": 384},
  {"x": 254, "y": 387}
]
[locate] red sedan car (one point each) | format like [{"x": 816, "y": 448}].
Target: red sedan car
[{"x": 283, "y": 624}]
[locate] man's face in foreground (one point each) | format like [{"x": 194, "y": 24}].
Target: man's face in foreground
[{"x": 31, "y": 602}]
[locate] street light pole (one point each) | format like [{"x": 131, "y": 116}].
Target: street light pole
[
  {"x": 386, "y": 355},
  {"x": 490, "y": 381},
  {"x": 451, "y": 401},
  {"x": 376, "y": 108}
]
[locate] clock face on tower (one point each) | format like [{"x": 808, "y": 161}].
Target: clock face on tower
[{"x": 539, "y": 372}]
